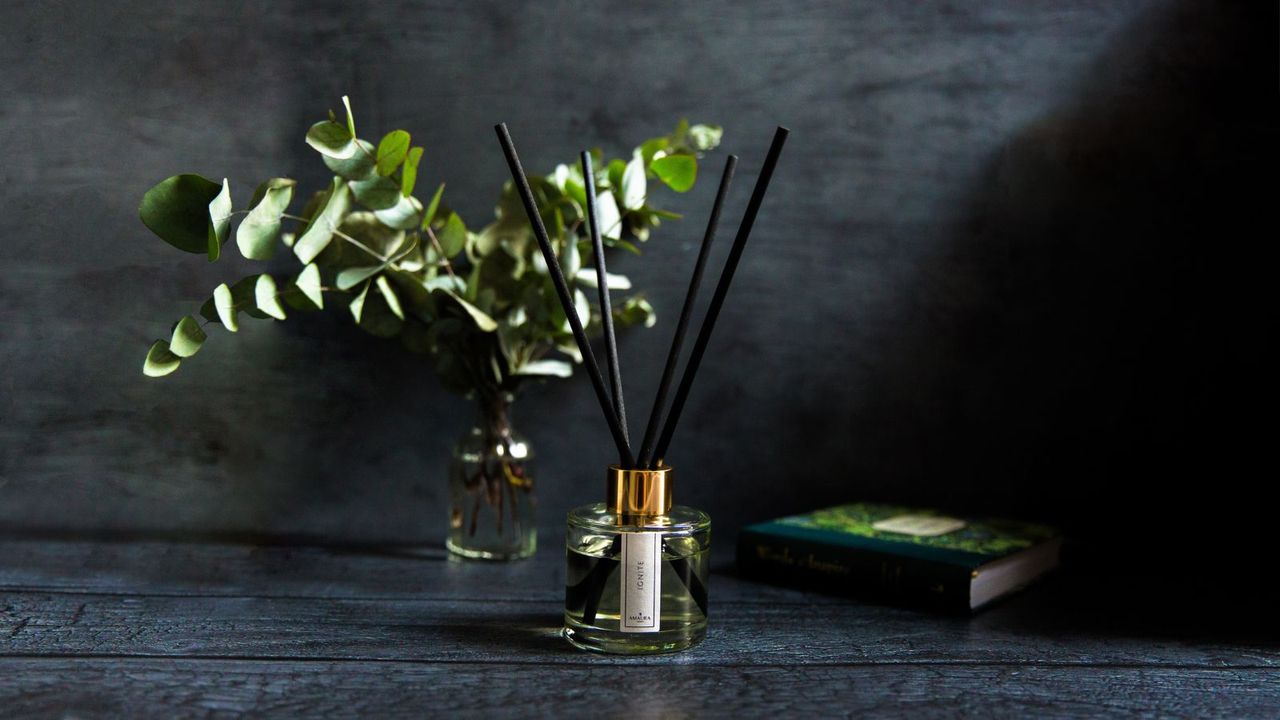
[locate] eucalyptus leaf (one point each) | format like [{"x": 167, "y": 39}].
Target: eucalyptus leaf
[
  {"x": 409, "y": 176},
  {"x": 391, "y": 151},
  {"x": 220, "y": 220},
  {"x": 583, "y": 306},
  {"x": 706, "y": 137},
  {"x": 404, "y": 216},
  {"x": 332, "y": 140},
  {"x": 352, "y": 277},
  {"x": 608, "y": 216},
  {"x": 256, "y": 236},
  {"x": 388, "y": 294},
  {"x": 320, "y": 232},
  {"x": 546, "y": 368},
  {"x": 267, "y": 297},
  {"x": 160, "y": 360},
  {"x": 209, "y": 311},
  {"x": 434, "y": 205},
  {"x": 356, "y": 306},
  {"x": 678, "y": 171},
  {"x": 634, "y": 186},
  {"x": 309, "y": 283},
  {"x": 587, "y": 278},
  {"x": 244, "y": 296},
  {"x": 225, "y": 304},
  {"x": 360, "y": 166},
  {"x": 366, "y": 229},
  {"x": 377, "y": 193},
  {"x": 481, "y": 318},
  {"x": 635, "y": 311},
  {"x": 351, "y": 118},
  {"x": 187, "y": 337},
  {"x": 449, "y": 283},
  {"x": 177, "y": 209},
  {"x": 453, "y": 237},
  {"x": 614, "y": 173},
  {"x": 570, "y": 259}
]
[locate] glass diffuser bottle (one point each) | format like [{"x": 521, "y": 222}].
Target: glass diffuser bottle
[{"x": 637, "y": 572}]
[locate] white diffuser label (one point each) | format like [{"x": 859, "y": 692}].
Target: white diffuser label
[{"x": 641, "y": 582}]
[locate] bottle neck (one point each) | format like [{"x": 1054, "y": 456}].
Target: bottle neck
[{"x": 642, "y": 493}]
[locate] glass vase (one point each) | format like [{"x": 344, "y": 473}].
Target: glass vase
[{"x": 492, "y": 502}]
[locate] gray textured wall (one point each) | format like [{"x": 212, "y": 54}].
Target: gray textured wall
[{"x": 978, "y": 280}]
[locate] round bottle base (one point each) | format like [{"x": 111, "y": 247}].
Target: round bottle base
[
  {"x": 619, "y": 643},
  {"x": 471, "y": 553}
]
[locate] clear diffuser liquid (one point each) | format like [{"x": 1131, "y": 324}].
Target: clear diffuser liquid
[{"x": 594, "y": 580}]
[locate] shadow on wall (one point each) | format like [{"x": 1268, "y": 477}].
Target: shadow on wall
[{"x": 1089, "y": 346}]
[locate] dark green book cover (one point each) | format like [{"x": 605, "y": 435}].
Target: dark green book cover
[{"x": 899, "y": 554}]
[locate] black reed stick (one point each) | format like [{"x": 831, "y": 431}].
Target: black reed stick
[
  {"x": 562, "y": 289},
  {"x": 645, "y": 458},
  {"x": 722, "y": 290},
  {"x": 606, "y": 308}
]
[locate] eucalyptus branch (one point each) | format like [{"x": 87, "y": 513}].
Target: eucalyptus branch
[
  {"x": 444, "y": 259},
  {"x": 194, "y": 214}
]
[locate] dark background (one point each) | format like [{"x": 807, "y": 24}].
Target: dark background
[{"x": 1012, "y": 261}]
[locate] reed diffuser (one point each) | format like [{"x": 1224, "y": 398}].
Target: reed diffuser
[{"x": 638, "y": 565}]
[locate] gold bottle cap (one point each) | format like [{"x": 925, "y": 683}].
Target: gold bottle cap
[{"x": 639, "y": 492}]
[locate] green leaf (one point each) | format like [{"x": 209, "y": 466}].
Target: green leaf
[
  {"x": 266, "y": 297},
  {"x": 446, "y": 282},
  {"x": 622, "y": 244},
  {"x": 546, "y": 368},
  {"x": 587, "y": 278},
  {"x": 635, "y": 311},
  {"x": 356, "y": 306},
  {"x": 368, "y": 230},
  {"x": 209, "y": 311},
  {"x": 583, "y": 306},
  {"x": 160, "y": 361},
  {"x": 187, "y": 337},
  {"x": 389, "y": 295},
  {"x": 309, "y": 283},
  {"x": 409, "y": 177},
  {"x": 352, "y": 277},
  {"x": 404, "y": 216},
  {"x": 634, "y": 185},
  {"x": 377, "y": 193},
  {"x": 351, "y": 118},
  {"x": 225, "y": 304},
  {"x": 705, "y": 137},
  {"x": 391, "y": 151},
  {"x": 608, "y": 216},
  {"x": 360, "y": 166},
  {"x": 615, "y": 170},
  {"x": 570, "y": 259},
  {"x": 244, "y": 297},
  {"x": 453, "y": 237},
  {"x": 256, "y": 236},
  {"x": 481, "y": 318},
  {"x": 177, "y": 210},
  {"x": 320, "y": 232},
  {"x": 679, "y": 172},
  {"x": 332, "y": 140},
  {"x": 432, "y": 207},
  {"x": 220, "y": 220}
]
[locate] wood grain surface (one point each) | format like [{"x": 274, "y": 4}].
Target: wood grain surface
[{"x": 194, "y": 630}]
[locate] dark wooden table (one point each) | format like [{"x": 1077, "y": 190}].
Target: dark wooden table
[{"x": 158, "y": 629}]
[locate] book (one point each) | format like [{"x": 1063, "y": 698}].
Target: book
[{"x": 899, "y": 554}]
